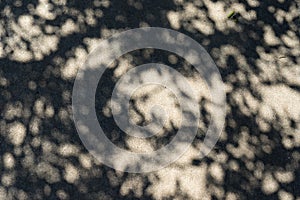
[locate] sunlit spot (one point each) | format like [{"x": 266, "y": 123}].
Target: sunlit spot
[{"x": 16, "y": 133}]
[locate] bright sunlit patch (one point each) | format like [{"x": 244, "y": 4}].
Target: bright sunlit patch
[
  {"x": 8, "y": 161},
  {"x": 16, "y": 133},
  {"x": 71, "y": 173},
  {"x": 269, "y": 184}
]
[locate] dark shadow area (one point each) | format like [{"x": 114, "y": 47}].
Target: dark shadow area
[{"x": 42, "y": 45}]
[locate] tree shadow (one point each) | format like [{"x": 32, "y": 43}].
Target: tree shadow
[{"x": 42, "y": 46}]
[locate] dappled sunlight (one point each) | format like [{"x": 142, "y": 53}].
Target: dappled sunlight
[
  {"x": 43, "y": 45},
  {"x": 16, "y": 133},
  {"x": 190, "y": 180}
]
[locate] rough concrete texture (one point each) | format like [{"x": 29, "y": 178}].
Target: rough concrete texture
[{"x": 42, "y": 45}]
